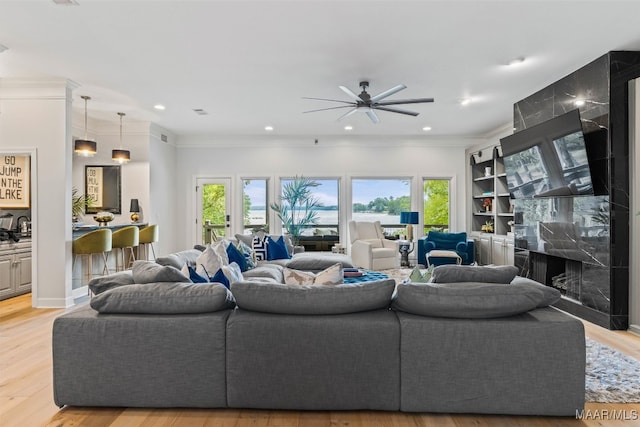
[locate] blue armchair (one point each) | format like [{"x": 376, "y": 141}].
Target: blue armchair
[{"x": 456, "y": 242}]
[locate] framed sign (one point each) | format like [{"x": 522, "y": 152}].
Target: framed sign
[
  {"x": 102, "y": 187},
  {"x": 15, "y": 182}
]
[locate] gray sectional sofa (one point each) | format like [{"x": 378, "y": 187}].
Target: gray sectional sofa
[{"x": 345, "y": 347}]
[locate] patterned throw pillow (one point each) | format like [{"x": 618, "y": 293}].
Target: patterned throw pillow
[
  {"x": 417, "y": 277},
  {"x": 190, "y": 272},
  {"x": 260, "y": 248},
  {"x": 329, "y": 276},
  {"x": 248, "y": 254}
]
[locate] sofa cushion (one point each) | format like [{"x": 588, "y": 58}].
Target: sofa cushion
[
  {"x": 296, "y": 299},
  {"x": 551, "y": 295},
  {"x": 328, "y": 276},
  {"x": 473, "y": 273},
  {"x": 164, "y": 298},
  {"x": 317, "y": 261},
  {"x": 271, "y": 271},
  {"x": 178, "y": 259},
  {"x": 467, "y": 300},
  {"x": 150, "y": 272},
  {"x": 101, "y": 284}
]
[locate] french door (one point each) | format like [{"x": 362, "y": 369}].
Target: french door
[{"x": 213, "y": 212}]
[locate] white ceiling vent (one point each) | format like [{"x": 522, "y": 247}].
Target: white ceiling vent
[
  {"x": 66, "y": 2},
  {"x": 164, "y": 138},
  {"x": 200, "y": 111}
]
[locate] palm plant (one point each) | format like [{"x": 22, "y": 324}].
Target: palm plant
[
  {"x": 297, "y": 206},
  {"x": 78, "y": 203}
]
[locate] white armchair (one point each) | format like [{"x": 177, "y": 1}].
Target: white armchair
[{"x": 369, "y": 248}]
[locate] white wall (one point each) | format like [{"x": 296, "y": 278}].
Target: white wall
[
  {"x": 165, "y": 204},
  {"x": 634, "y": 190},
  {"x": 36, "y": 115},
  {"x": 339, "y": 157}
]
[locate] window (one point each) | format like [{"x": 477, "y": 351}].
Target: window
[
  {"x": 255, "y": 206},
  {"x": 381, "y": 200},
  {"x": 326, "y": 192},
  {"x": 436, "y": 205}
]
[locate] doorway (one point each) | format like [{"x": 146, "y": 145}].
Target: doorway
[{"x": 213, "y": 212}]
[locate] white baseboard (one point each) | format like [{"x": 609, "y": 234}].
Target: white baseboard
[
  {"x": 634, "y": 329},
  {"x": 54, "y": 302}
]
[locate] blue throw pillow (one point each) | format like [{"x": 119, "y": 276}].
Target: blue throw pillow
[
  {"x": 219, "y": 277},
  {"x": 277, "y": 249},
  {"x": 236, "y": 256},
  {"x": 195, "y": 277}
]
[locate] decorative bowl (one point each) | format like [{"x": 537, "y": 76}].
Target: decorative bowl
[{"x": 103, "y": 218}]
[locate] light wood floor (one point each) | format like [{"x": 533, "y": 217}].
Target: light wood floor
[{"x": 26, "y": 396}]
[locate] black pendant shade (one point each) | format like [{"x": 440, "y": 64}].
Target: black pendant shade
[{"x": 86, "y": 148}]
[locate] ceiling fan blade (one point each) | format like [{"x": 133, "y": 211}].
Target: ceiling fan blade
[
  {"x": 373, "y": 116},
  {"x": 350, "y": 93},
  {"x": 396, "y": 110},
  {"x": 405, "y": 101},
  {"x": 330, "y": 108},
  {"x": 348, "y": 113},
  {"x": 325, "y": 99},
  {"x": 386, "y": 93}
]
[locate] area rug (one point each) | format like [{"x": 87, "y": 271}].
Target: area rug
[{"x": 611, "y": 376}]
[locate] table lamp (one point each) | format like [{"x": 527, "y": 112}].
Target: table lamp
[
  {"x": 408, "y": 219},
  {"x": 134, "y": 209}
]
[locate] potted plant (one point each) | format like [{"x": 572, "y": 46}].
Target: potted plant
[
  {"x": 297, "y": 206},
  {"x": 78, "y": 203}
]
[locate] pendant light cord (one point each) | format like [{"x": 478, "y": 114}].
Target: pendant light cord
[{"x": 86, "y": 98}]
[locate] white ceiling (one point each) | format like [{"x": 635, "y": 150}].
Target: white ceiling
[{"x": 249, "y": 63}]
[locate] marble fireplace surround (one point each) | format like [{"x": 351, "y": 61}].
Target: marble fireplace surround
[{"x": 595, "y": 284}]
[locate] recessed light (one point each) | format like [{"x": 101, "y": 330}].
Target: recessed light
[
  {"x": 159, "y": 107},
  {"x": 579, "y": 102},
  {"x": 348, "y": 127},
  {"x": 465, "y": 101},
  {"x": 268, "y": 128},
  {"x": 426, "y": 128},
  {"x": 516, "y": 61},
  {"x": 200, "y": 111}
]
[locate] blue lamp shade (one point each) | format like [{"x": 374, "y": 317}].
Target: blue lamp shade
[{"x": 408, "y": 217}]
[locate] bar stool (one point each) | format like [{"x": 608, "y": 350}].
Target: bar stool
[
  {"x": 94, "y": 242},
  {"x": 148, "y": 235},
  {"x": 125, "y": 238}
]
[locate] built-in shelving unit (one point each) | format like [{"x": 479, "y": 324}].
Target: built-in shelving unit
[{"x": 489, "y": 181}]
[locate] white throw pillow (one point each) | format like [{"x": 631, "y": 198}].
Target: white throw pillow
[
  {"x": 329, "y": 276},
  {"x": 208, "y": 262},
  {"x": 220, "y": 247},
  {"x": 232, "y": 272}
]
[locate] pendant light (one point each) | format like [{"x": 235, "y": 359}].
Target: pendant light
[
  {"x": 120, "y": 155},
  {"x": 85, "y": 147}
]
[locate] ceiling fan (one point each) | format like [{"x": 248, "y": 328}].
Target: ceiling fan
[{"x": 367, "y": 104}]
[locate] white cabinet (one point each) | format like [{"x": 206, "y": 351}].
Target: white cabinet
[
  {"x": 15, "y": 268},
  {"x": 502, "y": 250},
  {"x": 493, "y": 249}
]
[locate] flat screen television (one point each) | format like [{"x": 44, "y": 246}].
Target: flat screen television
[{"x": 548, "y": 160}]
